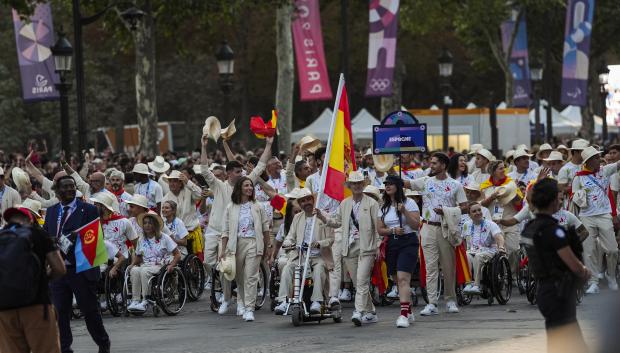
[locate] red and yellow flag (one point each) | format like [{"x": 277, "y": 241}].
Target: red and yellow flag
[
  {"x": 341, "y": 159},
  {"x": 278, "y": 203},
  {"x": 262, "y": 129}
]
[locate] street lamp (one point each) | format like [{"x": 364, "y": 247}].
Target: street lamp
[
  {"x": 63, "y": 57},
  {"x": 536, "y": 75},
  {"x": 603, "y": 78},
  {"x": 445, "y": 71},
  {"x": 226, "y": 68}
]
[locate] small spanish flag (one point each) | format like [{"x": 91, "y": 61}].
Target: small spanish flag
[
  {"x": 262, "y": 130},
  {"x": 463, "y": 275},
  {"x": 279, "y": 204}
]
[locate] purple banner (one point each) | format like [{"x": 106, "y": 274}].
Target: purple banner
[
  {"x": 579, "y": 16},
  {"x": 383, "y": 18},
  {"x": 519, "y": 62},
  {"x": 34, "y": 39}
]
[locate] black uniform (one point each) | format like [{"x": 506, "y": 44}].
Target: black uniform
[{"x": 556, "y": 296}]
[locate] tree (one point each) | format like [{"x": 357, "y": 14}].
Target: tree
[{"x": 286, "y": 74}]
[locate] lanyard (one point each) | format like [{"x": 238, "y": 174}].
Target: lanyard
[
  {"x": 148, "y": 186},
  {"x": 597, "y": 183}
]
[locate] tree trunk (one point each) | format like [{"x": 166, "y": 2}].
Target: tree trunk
[
  {"x": 286, "y": 74},
  {"x": 146, "y": 94},
  {"x": 395, "y": 101},
  {"x": 509, "y": 81},
  {"x": 587, "y": 112}
]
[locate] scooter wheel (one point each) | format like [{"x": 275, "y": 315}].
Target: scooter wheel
[{"x": 296, "y": 315}]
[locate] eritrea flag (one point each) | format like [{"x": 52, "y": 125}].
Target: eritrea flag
[{"x": 90, "y": 249}]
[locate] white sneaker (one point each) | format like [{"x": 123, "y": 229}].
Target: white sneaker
[
  {"x": 315, "y": 308},
  {"x": 103, "y": 305},
  {"x": 141, "y": 306},
  {"x": 600, "y": 275},
  {"x": 393, "y": 293},
  {"x": 429, "y": 309},
  {"x": 280, "y": 309},
  {"x": 132, "y": 305},
  {"x": 223, "y": 308},
  {"x": 473, "y": 290},
  {"x": 357, "y": 318},
  {"x": 345, "y": 295},
  {"x": 370, "y": 318},
  {"x": 240, "y": 310},
  {"x": 612, "y": 283},
  {"x": 333, "y": 301},
  {"x": 452, "y": 308},
  {"x": 593, "y": 289},
  {"x": 208, "y": 284},
  {"x": 248, "y": 315},
  {"x": 467, "y": 288},
  {"x": 219, "y": 297},
  {"x": 411, "y": 318},
  {"x": 402, "y": 321}
]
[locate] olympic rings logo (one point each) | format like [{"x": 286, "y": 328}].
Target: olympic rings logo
[{"x": 379, "y": 84}]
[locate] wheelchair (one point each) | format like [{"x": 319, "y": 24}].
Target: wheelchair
[
  {"x": 168, "y": 292},
  {"x": 496, "y": 281},
  {"x": 217, "y": 293},
  {"x": 274, "y": 284},
  {"x": 195, "y": 276},
  {"x": 115, "y": 296}
]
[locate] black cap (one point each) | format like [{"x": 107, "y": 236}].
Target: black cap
[{"x": 393, "y": 179}]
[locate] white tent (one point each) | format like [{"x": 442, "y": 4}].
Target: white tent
[
  {"x": 573, "y": 113},
  {"x": 434, "y": 107},
  {"x": 561, "y": 124},
  {"x": 471, "y": 105},
  {"x": 362, "y": 125},
  {"x": 502, "y": 105},
  {"x": 319, "y": 128}
]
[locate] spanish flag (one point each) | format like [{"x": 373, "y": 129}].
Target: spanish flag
[
  {"x": 262, "y": 129},
  {"x": 341, "y": 155},
  {"x": 278, "y": 203},
  {"x": 90, "y": 248}
]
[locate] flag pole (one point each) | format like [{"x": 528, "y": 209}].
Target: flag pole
[{"x": 323, "y": 178}]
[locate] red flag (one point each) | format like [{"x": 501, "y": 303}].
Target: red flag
[{"x": 262, "y": 129}]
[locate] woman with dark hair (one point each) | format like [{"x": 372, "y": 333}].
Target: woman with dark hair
[
  {"x": 457, "y": 169},
  {"x": 245, "y": 236},
  {"x": 398, "y": 219},
  {"x": 292, "y": 208}
]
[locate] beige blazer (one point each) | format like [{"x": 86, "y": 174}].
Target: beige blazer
[
  {"x": 322, "y": 235},
  {"x": 10, "y": 198},
  {"x": 369, "y": 239},
  {"x": 231, "y": 225}
]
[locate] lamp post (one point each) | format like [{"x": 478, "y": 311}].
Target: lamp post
[
  {"x": 603, "y": 78},
  {"x": 445, "y": 71},
  {"x": 226, "y": 68},
  {"x": 63, "y": 55},
  {"x": 536, "y": 74}
]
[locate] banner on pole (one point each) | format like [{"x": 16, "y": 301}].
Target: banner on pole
[
  {"x": 33, "y": 39},
  {"x": 383, "y": 20},
  {"x": 308, "y": 40},
  {"x": 579, "y": 16},
  {"x": 519, "y": 62}
]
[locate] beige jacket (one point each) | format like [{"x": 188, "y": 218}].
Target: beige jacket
[
  {"x": 222, "y": 192},
  {"x": 10, "y": 198},
  {"x": 322, "y": 235},
  {"x": 450, "y": 225},
  {"x": 369, "y": 239},
  {"x": 186, "y": 204},
  {"x": 231, "y": 226}
]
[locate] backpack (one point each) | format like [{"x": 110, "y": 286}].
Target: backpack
[{"x": 20, "y": 269}]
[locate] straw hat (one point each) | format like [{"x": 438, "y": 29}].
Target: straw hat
[
  {"x": 368, "y": 152},
  {"x": 20, "y": 178},
  {"x": 486, "y": 154},
  {"x": 373, "y": 192},
  {"x": 33, "y": 205},
  {"x": 150, "y": 214},
  {"x": 141, "y": 168},
  {"x": 475, "y": 148},
  {"x": 506, "y": 193},
  {"x": 579, "y": 144},
  {"x": 228, "y": 131},
  {"x": 104, "y": 198},
  {"x": 522, "y": 147},
  {"x": 473, "y": 186},
  {"x": 228, "y": 267},
  {"x": 138, "y": 200},
  {"x": 588, "y": 153},
  {"x": 309, "y": 143},
  {"x": 298, "y": 193},
  {"x": 555, "y": 156},
  {"x": 159, "y": 165},
  {"x": 383, "y": 162},
  {"x": 355, "y": 177},
  {"x": 521, "y": 153},
  {"x": 410, "y": 193},
  {"x": 212, "y": 128},
  {"x": 298, "y": 158},
  {"x": 1, "y": 171},
  {"x": 175, "y": 174},
  {"x": 562, "y": 147},
  {"x": 510, "y": 154},
  {"x": 544, "y": 147}
]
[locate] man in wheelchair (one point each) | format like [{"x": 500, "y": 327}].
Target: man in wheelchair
[
  {"x": 484, "y": 239},
  {"x": 319, "y": 251}
]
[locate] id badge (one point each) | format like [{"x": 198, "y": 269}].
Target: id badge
[
  {"x": 498, "y": 212},
  {"x": 65, "y": 244}
]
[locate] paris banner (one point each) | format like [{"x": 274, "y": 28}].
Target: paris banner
[
  {"x": 34, "y": 38},
  {"x": 579, "y": 16},
  {"x": 383, "y": 18},
  {"x": 519, "y": 61},
  {"x": 308, "y": 40}
]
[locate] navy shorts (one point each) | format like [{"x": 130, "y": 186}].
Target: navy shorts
[{"x": 402, "y": 253}]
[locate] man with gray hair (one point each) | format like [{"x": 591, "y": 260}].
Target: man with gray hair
[{"x": 116, "y": 180}]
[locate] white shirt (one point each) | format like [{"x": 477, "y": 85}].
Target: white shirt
[
  {"x": 327, "y": 204},
  {"x": 391, "y": 217},
  {"x": 438, "y": 193},
  {"x": 118, "y": 232},
  {"x": 155, "y": 252},
  {"x": 567, "y": 172},
  {"x": 152, "y": 191},
  {"x": 465, "y": 180},
  {"x": 413, "y": 174},
  {"x": 111, "y": 249},
  {"x": 178, "y": 231},
  {"x": 481, "y": 237},
  {"x": 136, "y": 227},
  {"x": 245, "y": 228},
  {"x": 308, "y": 238},
  {"x": 281, "y": 235},
  {"x": 596, "y": 186},
  {"x": 523, "y": 177},
  {"x": 565, "y": 218},
  {"x": 486, "y": 214}
]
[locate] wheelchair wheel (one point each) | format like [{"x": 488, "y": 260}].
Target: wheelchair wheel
[
  {"x": 216, "y": 290},
  {"x": 261, "y": 291},
  {"x": 296, "y": 314},
  {"x": 522, "y": 272},
  {"x": 531, "y": 289},
  {"x": 501, "y": 284},
  {"x": 115, "y": 293},
  {"x": 195, "y": 276},
  {"x": 462, "y": 298},
  {"x": 171, "y": 291},
  {"x": 579, "y": 294},
  {"x": 274, "y": 285}
]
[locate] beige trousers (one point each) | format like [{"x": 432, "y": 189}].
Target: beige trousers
[
  {"x": 437, "y": 250},
  {"x": 213, "y": 242},
  {"x": 335, "y": 275},
  {"x": 319, "y": 277},
  {"x": 247, "y": 265},
  {"x": 511, "y": 243},
  {"x": 601, "y": 230},
  {"x": 140, "y": 276},
  {"x": 360, "y": 268},
  {"x": 478, "y": 260}
]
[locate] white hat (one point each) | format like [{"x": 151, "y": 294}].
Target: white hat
[
  {"x": 555, "y": 156},
  {"x": 20, "y": 178},
  {"x": 298, "y": 158},
  {"x": 521, "y": 153},
  {"x": 510, "y": 154},
  {"x": 373, "y": 192},
  {"x": 104, "y": 198},
  {"x": 562, "y": 147},
  {"x": 309, "y": 143},
  {"x": 579, "y": 144},
  {"x": 159, "y": 165},
  {"x": 506, "y": 193},
  {"x": 141, "y": 168},
  {"x": 212, "y": 128},
  {"x": 33, "y": 205},
  {"x": 486, "y": 154},
  {"x": 588, "y": 153},
  {"x": 368, "y": 152},
  {"x": 175, "y": 174},
  {"x": 298, "y": 193},
  {"x": 544, "y": 147},
  {"x": 228, "y": 267},
  {"x": 116, "y": 173},
  {"x": 138, "y": 200},
  {"x": 383, "y": 162},
  {"x": 355, "y": 177},
  {"x": 227, "y": 132},
  {"x": 150, "y": 214},
  {"x": 409, "y": 193},
  {"x": 473, "y": 186},
  {"x": 522, "y": 147},
  {"x": 1, "y": 171},
  {"x": 475, "y": 148}
]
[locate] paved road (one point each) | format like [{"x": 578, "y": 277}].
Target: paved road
[{"x": 516, "y": 327}]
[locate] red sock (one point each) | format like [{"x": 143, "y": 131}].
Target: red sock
[{"x": 405, "y": 309}]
